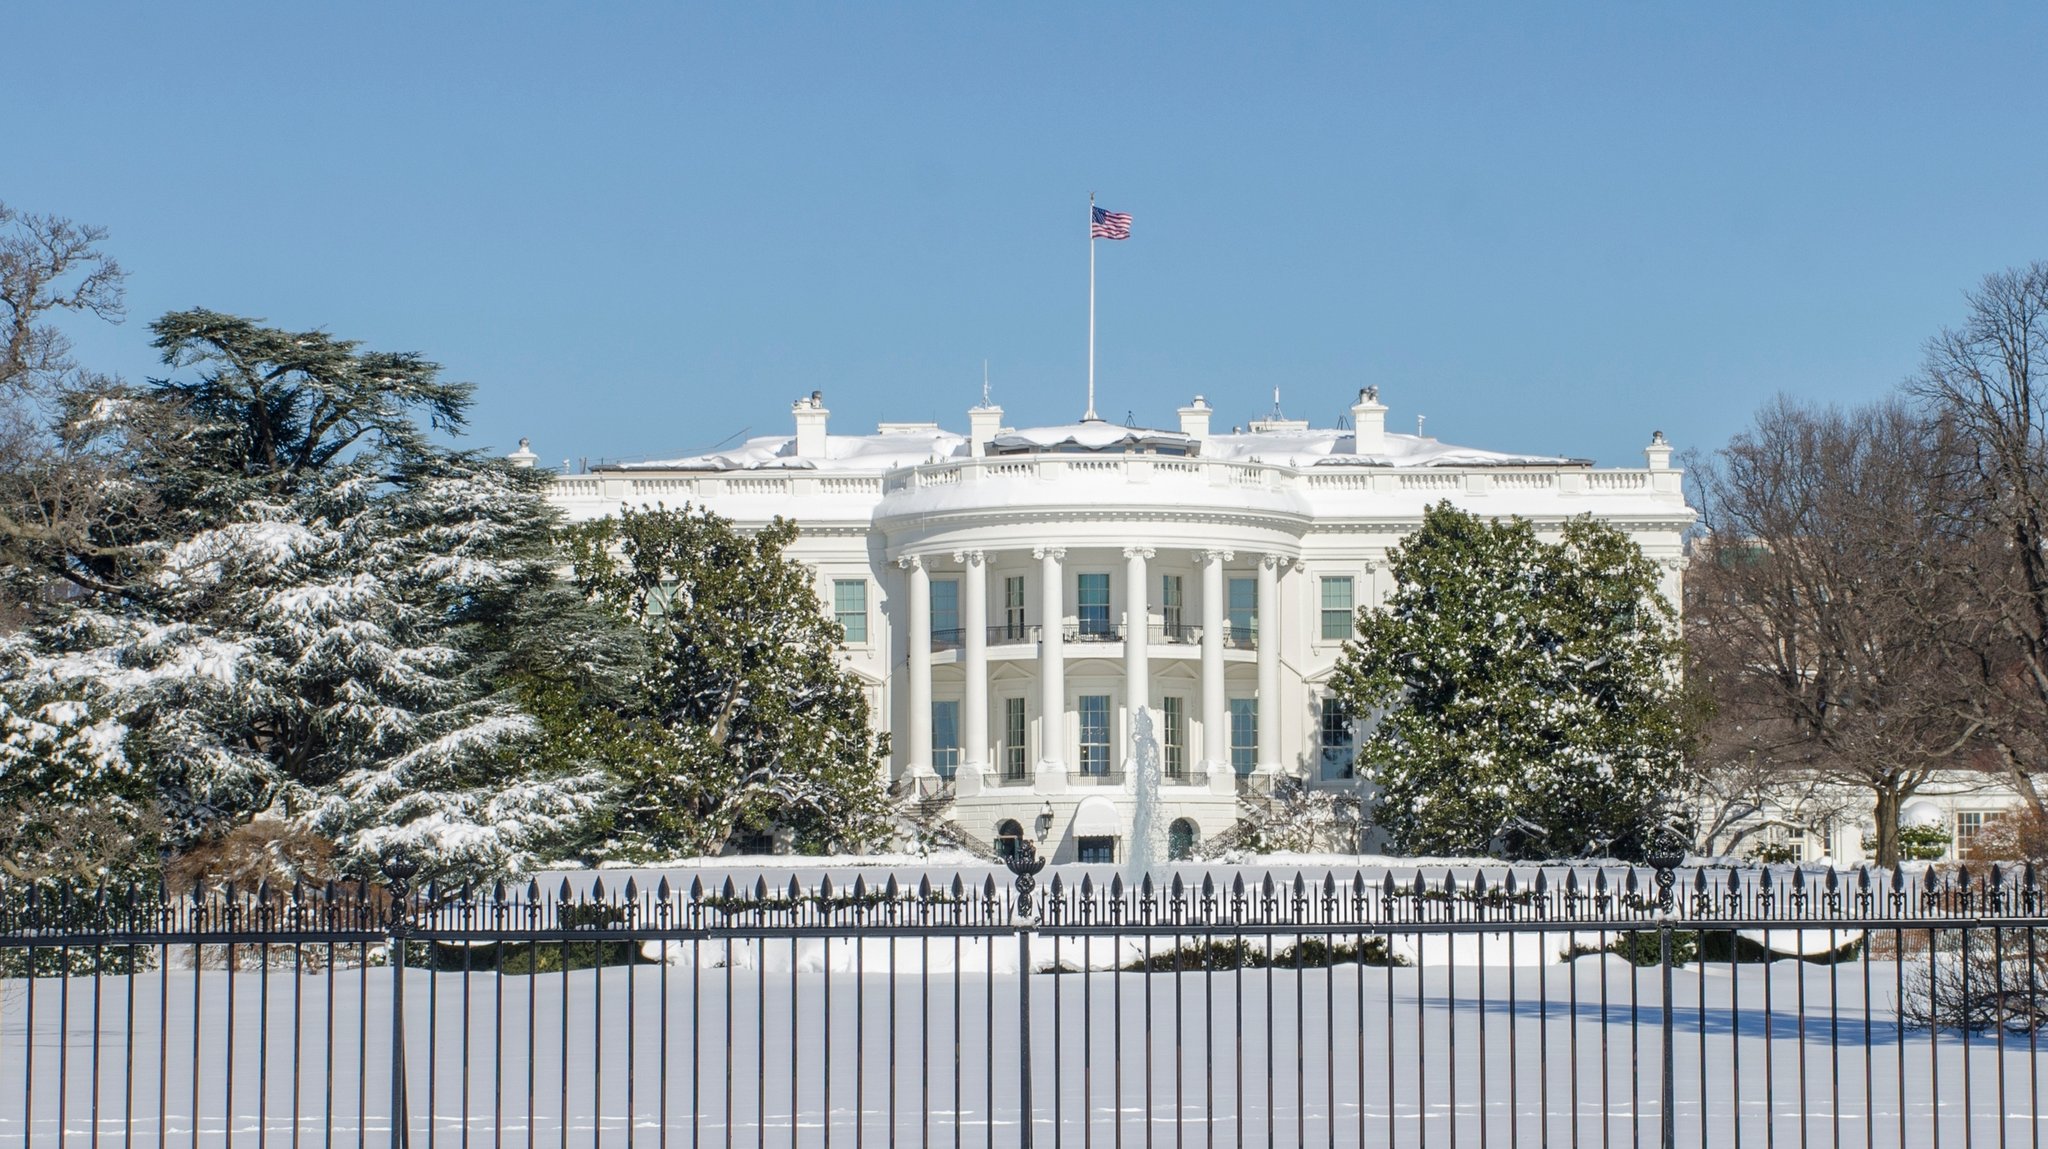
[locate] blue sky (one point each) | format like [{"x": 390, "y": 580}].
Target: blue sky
[{"x": 643, "y": 229}]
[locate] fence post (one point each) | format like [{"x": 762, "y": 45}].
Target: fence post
[
  {"x": 1024, "y": 864},
  {"x": 398, "y": 870},
  {"x": 1665, "y": 856}
]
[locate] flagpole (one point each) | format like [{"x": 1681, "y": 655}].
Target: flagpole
[{"x": 1090, "y": 416}]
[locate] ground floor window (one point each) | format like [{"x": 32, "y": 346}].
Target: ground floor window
[
  {"x": 1969, "y": 823},
  {"x": 1095, "y": 734},
  {"x": 945, "y": 738},
  {"x": 1013, "y": 738},
  {"x": 1173, "y": 712},
  {"x": 1244, "y": 734},
  {"x": 1180, "y": 840},
  {"x": 1338, "y": 741},
  {"x": 1101, "y": 851},
  {"x": 1009, "y": 838}
]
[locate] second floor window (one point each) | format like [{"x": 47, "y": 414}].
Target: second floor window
[
  {"x": 1243, "y": 609},
  {"x": 1092, "y": 602},
  {"x": 850, "y": 608},
  {"x": 1337, "y": 607},
  {"x": 1172, "y": 608},
  {"x": 945, "y": 612},
  {"x": 1013, "y": 607},
  {"x": 1095, "y": 734}
]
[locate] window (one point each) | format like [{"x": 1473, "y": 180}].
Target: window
[
  {"x": 945, "y": 612},
  {"x": 1338, "y": 741},
  {"x": 1013, "y": 608},
  {"x": 1172, "y": 607},
  {"x": 1173, "y": 714},
  {"x": 850, "y": 608},
  {"x": 1009, "y": 838},
  {"x": 1968, "y": 824},
  {"x": 1181, "y": 837},
  {"x": 945, "y": 738},
  {"x": 1097, "y": 851},
  {"x": 1337, "y": 607},
  {"x": 1244, "y": 734},
  {"x": 1242, "y": 614},
  {"x": 1093, "y": 597},
  {"x": 1013, "y": 738},
  {"x": 1095, "y": 734},
  {"x": 751, "y": 842}
]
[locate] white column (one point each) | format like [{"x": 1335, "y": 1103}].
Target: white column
[
  {"x": 1269, "y": 663},
  {"x": 974, "y": 659},
  {"x": 1137, "y": 636},
  {"x": 1052, "y": 667},
  {"x": 1215, "y": 716},
  {"x": 918, "y": 754}
]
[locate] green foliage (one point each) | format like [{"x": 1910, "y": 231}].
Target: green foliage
[
  {"x": 1917, "y": 843},
  {"x": 1642, "y": 947},
  {"x": 1526, "y": 692},
  {"x": 1241, "y": 953},
  {"x": 740, "y": 719}
]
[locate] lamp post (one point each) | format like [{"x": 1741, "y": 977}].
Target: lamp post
[
  {"x": 399, "y": 869},
  {"x": 1024, "y": 866},
  {"x": 1665, "y": 855}
]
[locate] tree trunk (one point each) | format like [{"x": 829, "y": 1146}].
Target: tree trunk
[{"x": 1888, "y": 799}]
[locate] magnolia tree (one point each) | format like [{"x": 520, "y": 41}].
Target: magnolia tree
[
  {"x": 1524, "y": 693},
  {"x": 741, "y": 719}
]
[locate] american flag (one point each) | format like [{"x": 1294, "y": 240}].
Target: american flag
[{"x": 1110, "y": 224}]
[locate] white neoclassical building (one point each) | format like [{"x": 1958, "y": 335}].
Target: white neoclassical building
[{"x": 1044, "y": 614}]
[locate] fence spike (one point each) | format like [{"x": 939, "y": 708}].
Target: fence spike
[
  {"x": 1358, "y": 884},
  {"x": 1734, "y": 886},
  {"x": 924, "y": 887},
  {"x": 1179, "y": 891},
  {"x": 1542, "y": 883},
  {"x": 1798, "y": 879},
  {"x": 1087, "y": 888},
  {"x": 565, "y": 894},
  {"x": 1266, "y": 888},
  {"x": 988, "y": 887},
  {"x": 298, "y": 890},
  {"x": 731, "y": 893},
  {"x": 1421, "y": 886},
  {"x": 1145, "y": 887},
  {"x": 1116, "y": 887},
  {"x": 1388, "y": 887},
  {"x": 1450, "y": 884},
  {"x": 761, "y": 887},
  {"x": 1630, "y": 886},
  {"x": 632, "y": 890},
  {"x": 1056, "y": 888},
  {"x": 825, "y": 887},
  {"x": 696, "y": 889},
  {"x": 1510, "y": 883},
  {"x": 1237, "y": 887},
  {"x": 1329, "y": 885},
  {"x": 890, "y": 889},
  {"x": 262, "y": 891},
  {"x": 1479, "y": 884},
  {"x": 1699, "y": 880},
  {"x": 2030, "y": 873},
  {"x": 533, "y": 891},
  {"x": 597, "y": 889},
  {"x": 796, "y": 892},
  {"x": 1571, "y": 883},
  {"x": 1600, "y": 882},
  {"x": 960, "y": 891},
  {"x": 1862, "y": 877},
  {"x": 1898, "y": 880},
  {"x": 1833, "y": 882}
]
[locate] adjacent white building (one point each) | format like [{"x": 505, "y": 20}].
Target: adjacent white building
[{"x": 1043, "y": 614}]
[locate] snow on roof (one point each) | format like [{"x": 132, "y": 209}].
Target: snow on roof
[{"x": 888, "y": 450}]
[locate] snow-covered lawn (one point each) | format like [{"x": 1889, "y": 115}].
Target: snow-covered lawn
[{"x": 792, "y": 1044}]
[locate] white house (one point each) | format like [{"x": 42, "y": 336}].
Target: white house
[{"x": 1046, "y": 614}]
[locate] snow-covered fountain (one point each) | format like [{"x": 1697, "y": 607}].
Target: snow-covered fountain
[{"x": 1147, "y": 835}]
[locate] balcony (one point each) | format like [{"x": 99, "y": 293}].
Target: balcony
[
  {"x": 951, "y": 639},
  {"x": 1182, "y": 777},
  {"x": 1092, "y": 630},
  {"x": 1095, "y": 778},
  {"x": 1176, "y": 633},
  {"x": 1017, "y": 776},
  {"x": 1012, "y": 634},
  {"x": 1240, "y": 638}
]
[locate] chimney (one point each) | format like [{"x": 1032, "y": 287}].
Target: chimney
[
  {"x": 524, "y": 456},
  {"x": 1369, "y": 423},
  {"x": 1194, "y": 420},
  {"x": 983, "y": 422},
  {"x": 1658, "y": 453},
  {"x": 810, "y": 426}
]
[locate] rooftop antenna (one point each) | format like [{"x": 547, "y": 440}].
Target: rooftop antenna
[
  {"x": 984, "y": 383},
  {"x": 1276, "y": 404},
  {"x": 1418, "y": 425}
]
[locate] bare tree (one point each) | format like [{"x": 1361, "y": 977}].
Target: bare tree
[
  {"x": 1982, "y": 380},
  {"x": 1816, "y": 610}
]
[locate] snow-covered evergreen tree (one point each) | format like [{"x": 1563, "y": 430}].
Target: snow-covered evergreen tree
[
  {"x": 1525, "y": 693},
  {"x": 743, "y": 720},
  {"x": 310, "y": 638}
]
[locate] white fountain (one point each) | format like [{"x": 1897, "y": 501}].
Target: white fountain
[{"x": 1147, "y": 835}]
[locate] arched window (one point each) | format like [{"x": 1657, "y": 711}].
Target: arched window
[
  {"x": 1180, "y": 840},
  {"x": 1009, "y": 834}
]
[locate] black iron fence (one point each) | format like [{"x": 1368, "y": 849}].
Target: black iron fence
[{"x": 1559, "y": 1007}]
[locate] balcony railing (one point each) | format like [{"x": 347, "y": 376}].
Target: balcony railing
[
  {"x": 951, "y": 639},
  {"x": 1091, "y": 631},
  {"x": 1176, "y": 632},
  {"x": 1241, "y": 637},
  {"x": 1011, "y": 634},
  {"x": 1182, "y": 776},
  {"x": 1102, "y": 778},
  {"x": 1011, "y": 777}
]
